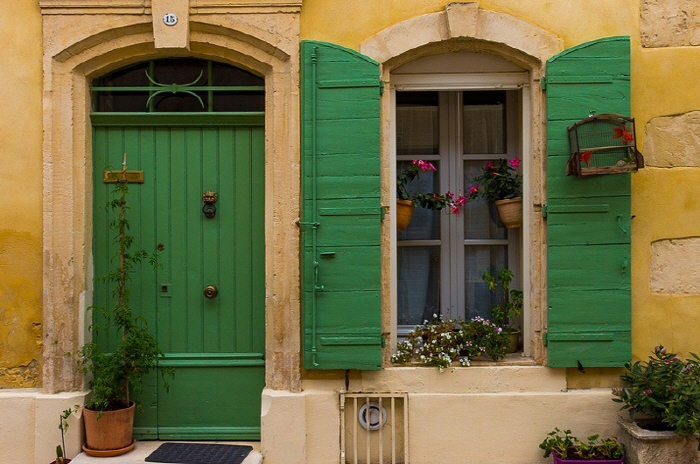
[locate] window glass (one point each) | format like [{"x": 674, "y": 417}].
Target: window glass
[
  {"x": 441, "y": 257},
  {"x": 479, "y": 259},
  {"x": 204, "y": 86},
  {"x": 481, "y": 218},
  {"x": 417, "y": 130},
  {"x": 483, "y": 122},
  {"x": 418, "y": 283},
  {"x": 425, "y": 223}
]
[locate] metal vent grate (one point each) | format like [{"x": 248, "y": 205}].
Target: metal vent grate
[{"x": 374, "y": 428}]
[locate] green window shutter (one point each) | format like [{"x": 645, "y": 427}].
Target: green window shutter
[
  {"x": 341, "y": 212},
  {"x": 588, "y": 219}
]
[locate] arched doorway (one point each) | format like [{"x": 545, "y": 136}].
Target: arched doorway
[{"x": 189, "y": 127}]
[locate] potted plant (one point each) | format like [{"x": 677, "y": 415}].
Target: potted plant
[
  {"x": 441, "y": 342},
  {"x": 500, "y": 183},
  {"x": 63, "y": 426},
  {"x": 109, "y": 414},
  {"x": 567, "y": 449},
  {"x": 509, "y": 304},
  {"x": 662, "y": 395},
  {"x": 406, "y": 200}
]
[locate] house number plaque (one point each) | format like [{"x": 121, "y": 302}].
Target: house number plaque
[{"x": 170, "y": 19}]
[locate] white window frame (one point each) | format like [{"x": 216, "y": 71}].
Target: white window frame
[{"x": 460, "y": 82}]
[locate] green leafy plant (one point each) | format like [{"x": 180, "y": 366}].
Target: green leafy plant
[
  {"x": 63, "y": 426},
  {"x": 510, "y": 304},
  {"x": 441, "y": 342},
  {"x": 498, "y": 180},
  {"x": 566, "y": 446},
  {"x": 116, "y": 374},
  {"x": 427, "y": 200},
  {"x": 665, "y": 389}
]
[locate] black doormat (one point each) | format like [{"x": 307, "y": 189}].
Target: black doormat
[{"x": 199, "y": 453}]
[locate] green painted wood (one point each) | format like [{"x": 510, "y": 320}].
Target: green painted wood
[
  {"x": 341, "y": 214},
  {"x": 588, "y": 219},
  {"x": 177, "y": 119},
  {"x": 215, "y": 346}
]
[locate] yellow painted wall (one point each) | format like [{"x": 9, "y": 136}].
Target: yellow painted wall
[
  {"x": 664, "y": 82},
  {"x": 20, "y": 201},
  {"x": 664, "y": 201}
]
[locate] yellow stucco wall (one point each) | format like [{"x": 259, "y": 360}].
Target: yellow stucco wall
[
  {"x": 663, "y": 200},
  {"x": 20, "y": 203}
]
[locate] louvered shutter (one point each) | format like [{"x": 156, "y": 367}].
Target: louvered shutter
[
  {"x": 588, "y": 219},
  {"x": 341, "y": 212}
]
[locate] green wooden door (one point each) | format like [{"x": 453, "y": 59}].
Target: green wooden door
[{"x": 215, "y": 346}]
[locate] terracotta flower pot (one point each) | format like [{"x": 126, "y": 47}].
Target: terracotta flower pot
[
  {"x": 511, "y": 212},
  {"x": 404, "y": 213},
  {"x": 111, "y": 432},
  {"x": 513, "y": 336}
]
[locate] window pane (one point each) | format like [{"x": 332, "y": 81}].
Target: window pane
[
  {"x": 239, "y": 101},
  {"x": 181, "y": 71},
  {"x": 484, "y": 122},
  {"x": 426, "y": 222},
  {"x": 417, "y": 131},
  {"x": 477, "y": 260},
  {"x": 418, "y": 284},
  {"x": 481, "y": 218}
]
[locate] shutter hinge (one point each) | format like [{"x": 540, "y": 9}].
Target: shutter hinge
[
  {"x": 381, "y": 87},
  {"x": 543, "y": 83},
  {"x": 383, "y": 340},
  {"x": 305, "y": 224},
  {"x": 545, "y": 339},
  {"x": 544, "y": 210},
  {"x": 384, "y": 210}
]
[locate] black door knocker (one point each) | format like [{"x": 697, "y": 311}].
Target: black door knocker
[{"x": 209, "y": 208}]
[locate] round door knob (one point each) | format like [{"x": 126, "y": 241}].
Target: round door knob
[{"x": 210, "y": 291}]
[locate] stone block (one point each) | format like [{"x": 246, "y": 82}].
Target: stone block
[
  {"x": 670, "y": 23},
  {"x": 674, "y": 266},
  {"x": 673, "y": 141}
]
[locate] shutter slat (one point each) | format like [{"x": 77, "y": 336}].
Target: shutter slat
[
  {"x": 341, "y": 215},
  {"x": 588, "y": 219}
]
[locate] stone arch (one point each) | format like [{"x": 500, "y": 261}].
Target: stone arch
[
  {"x": 463, "y": 23},
  {"x": 100, "y": 43}
]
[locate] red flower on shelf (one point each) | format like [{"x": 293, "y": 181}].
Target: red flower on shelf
[
  {"x": 623, "y": 133},
  {"x": 586, "y": 156}
]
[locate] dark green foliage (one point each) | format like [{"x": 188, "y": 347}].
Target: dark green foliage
[
  {"x": 427, "y": 200},
  {"x": 664, "y": 388},
  {"x": 510, "y": 302},
  {"x": 499, "y": 180},
  {"x": 115, "y": 374},
  {"x": 566, "y": 446}
]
